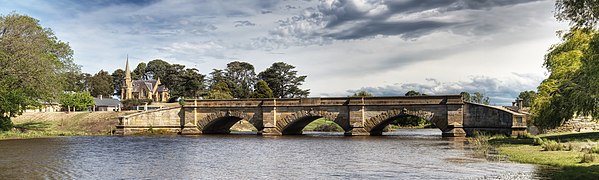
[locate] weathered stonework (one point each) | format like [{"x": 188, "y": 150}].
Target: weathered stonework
[{"x": 356, "y": 115}]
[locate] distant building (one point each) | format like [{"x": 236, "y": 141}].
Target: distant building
[
  {"x": 143, "y": 89},
  {"x": 106, "y": 104}
]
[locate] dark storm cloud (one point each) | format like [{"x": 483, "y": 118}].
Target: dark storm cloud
[{"x": 347, "y": 20}]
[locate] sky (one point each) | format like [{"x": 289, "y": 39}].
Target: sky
[{"x": 386, "y": 47}]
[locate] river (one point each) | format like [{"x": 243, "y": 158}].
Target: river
[{"x": 403, "y": 154}]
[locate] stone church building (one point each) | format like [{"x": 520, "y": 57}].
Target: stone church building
[{"x": 143, "y": 89}]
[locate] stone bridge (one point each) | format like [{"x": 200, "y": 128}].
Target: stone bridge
[{"x": 356, "y": 115}]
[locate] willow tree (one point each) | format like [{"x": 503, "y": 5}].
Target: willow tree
[{"x": 32, "y": 62}]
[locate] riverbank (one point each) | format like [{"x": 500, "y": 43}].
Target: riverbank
[
  {"x": 566, "y": 156},
  {"x": 50, "y": 124}
]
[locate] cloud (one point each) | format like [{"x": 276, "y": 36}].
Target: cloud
[
  {"x": 352, "y": 19},
  {"x": 243, "y": 23},
  {"x": 502, "y": 91}
]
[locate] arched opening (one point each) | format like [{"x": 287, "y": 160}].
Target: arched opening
[
  {"x": 406, "y": 125},
  {"x": 323, "y": 126},
  {"x": 298, "y": 126},
  {"x": 225, "y": 125}
]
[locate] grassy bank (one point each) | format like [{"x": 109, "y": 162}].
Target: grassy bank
[
  {"x": 564, "y": 156},
  {"x": 34, "y": 125},
  {"x": 322, "y": 122}
]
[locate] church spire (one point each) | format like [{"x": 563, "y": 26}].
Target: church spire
[{"x": 127, "y": 71}]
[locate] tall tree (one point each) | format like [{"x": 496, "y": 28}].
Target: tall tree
[
  {"x": 466, "y": 96},
  {"x": 527, "y": 98},
  {"x": 76, "y": 100},
  {"x": 362, "y": 93},
  {"x": 101, "y": 84},
  {"x": 283, "y": 81},
  {"x": 262, "y": 90},
  {"x": 220, "y": 91},
  {"x": 216, "y": 76},
  {"x": 157, "y": 69},
  {"x": 31, "y": 60},
  {"x": 480, "y": 98},
  {"x": 241, "y": 77},
  {"x": 191, "y": 84},
  {"x": 139, "y": 73},
  {"x": 118, "y": 77},
  {"x": 580, "y": 13}
]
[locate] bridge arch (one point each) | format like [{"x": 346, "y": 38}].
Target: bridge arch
[
  {"x": 295, "y": 122},
  {"x": 375, "y": 125},
  {"x": 221, "y": 122}
]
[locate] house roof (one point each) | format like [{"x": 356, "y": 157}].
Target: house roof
[
  {"x": 149, "y": 84},
  {"x": 107, "y": 102}
]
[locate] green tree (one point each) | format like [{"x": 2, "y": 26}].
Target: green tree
[
  {"x": 157, "y": 69},
  {"x": 77, "y": 101},
  {"x": 101, "y": 84},
  {"x": 283, "y": 81},
  {"x": 527, "y": 98},
  {"x": 414, "y": 93},
  {"x": 580, "y": 13},
  {"x": 480, "y": 98},
  {"x": 32, "y": 60},
  {"x": 240, "y": 78},
  {"x": 563, "y": 93},
  {"x": 118, "y": 77},
  {"x": 216, "y": 76},
  {"x": 220, "y": 91},
  {"x": 362, "y": 93},
  {"x": 139, "y": 73},
  {"x": 191, "y": 84},
  {"x": 466, "y": 96},
  {"x": 262, "y": 90}
]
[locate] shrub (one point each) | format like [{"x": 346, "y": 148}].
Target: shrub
[
  {"x": 595, "y": 149},
  {"x": 571, "y": 147},
  {"x": 588, "y": 158},
  {"x": 5, "y": 123},
  {"x": 525, "y": 136},
  {"x": 537, "y": 141},
  {"x": 550, "y": 145}
]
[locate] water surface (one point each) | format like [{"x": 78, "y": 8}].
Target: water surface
[{"x": 404, "y": 154}]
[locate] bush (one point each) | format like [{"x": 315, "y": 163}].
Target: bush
[
  {"x": 537, "y": 141},
  {"x": 327, "y": 128},
  {"x": 588, "y": 158},
  {"x": 5, "y": 124},
  {"x": 550, "y": 145},
  {"x": 525, "y": 136},
  {"x": 130, "y": 103},
  {"x": 595, "y": 149}
]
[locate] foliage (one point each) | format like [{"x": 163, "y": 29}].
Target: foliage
[
  {"x": 101, "y": 84},
  {"x": 465, "y": 96},
  {"x": 118, "y": 76},
  {"x": 527, "y": 98},
  {"x": 414, "y": 93},
  {"x": 79, "y": 101},
  {"x": 130, "y": 103},
  {"x": 413, "y": 121},
  {"x": 139, "y": 73},
  {"x": 262, "y": 90},
  {"x": 240, "y": 77},
  {"x": 283, "y": 81},
  {"x": 362, "y": 93},
  {"x": 580, "y": 13},
  {"x": 157, "y": 69},
  {"x": 563, "y": 93},
  {"x": 33, "y": 63},
  {"x": 551, "y": 145},
  {"x": 220, "y": 91},
  {"x": 477, "y": 97},
  {"x": 5, "y": 123},
  {"x": 190, "y": 84}
]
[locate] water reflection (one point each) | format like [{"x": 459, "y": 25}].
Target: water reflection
[{"x": 404, "y": 154}]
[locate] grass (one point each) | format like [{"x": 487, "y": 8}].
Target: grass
[
  {"x": 563, "y": 156},
  {"x": 36, "y": 125},
  {"x": 319, "y": 122}
]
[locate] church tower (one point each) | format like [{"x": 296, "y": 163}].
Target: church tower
[{"x": 127, "y": 89}]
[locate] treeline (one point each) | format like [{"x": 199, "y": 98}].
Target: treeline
[
  {"x": 237, "y": 80},
  {"x": 477, "y": 97}
]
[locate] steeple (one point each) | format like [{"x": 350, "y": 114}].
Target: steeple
[{"x": 127, "y": 85}]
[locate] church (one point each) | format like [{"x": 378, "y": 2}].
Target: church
[{"x": 143, "y": 89}]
